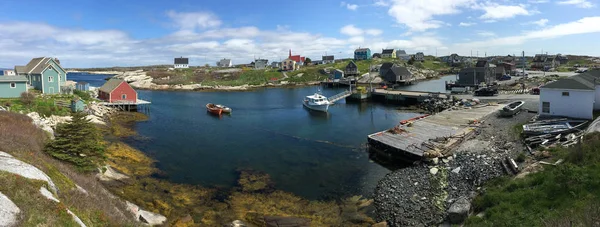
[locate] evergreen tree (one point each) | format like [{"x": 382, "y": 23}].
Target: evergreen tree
[
  {"x": 411, "y": 60},
  {"x": 78, "y": 142}
]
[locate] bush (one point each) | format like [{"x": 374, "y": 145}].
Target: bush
[
  {"x": 27, "y": 98},
  {"x": 83, "y": 95},
  {"x": 78, "y": 142},
  {"x": 7, "y": 103}
]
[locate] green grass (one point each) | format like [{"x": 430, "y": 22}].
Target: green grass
[
  {"x": 250, "y": 77},
  {"x": 45, "y": 106},
  {"x": 557, "y": 194},
  {"x": 36, "y": 209}
]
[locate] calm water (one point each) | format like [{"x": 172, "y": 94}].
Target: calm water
[
  {"x": 95, "y": 80},
  {"x": 313, "y": 155}
]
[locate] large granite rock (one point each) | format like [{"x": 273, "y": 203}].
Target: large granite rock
[
  {"x": 145, "y": 216},
  {"x": 9, "y": 212},
  {"x": 459, "y": 210},
  {"x": 9, "y": 164},
  {"x": 50, "y": 196}
]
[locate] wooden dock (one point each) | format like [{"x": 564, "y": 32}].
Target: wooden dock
[
  {"x": 406, "y": 96},
  {"x": 412, "y": 142},
  {"x": 128, "y": 106}
]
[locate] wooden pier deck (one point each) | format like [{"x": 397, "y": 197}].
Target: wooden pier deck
[
  {"x": 408, "y": 94},
  {"x": 128, "y": 106},
  {"x": 409, "y": 145}
]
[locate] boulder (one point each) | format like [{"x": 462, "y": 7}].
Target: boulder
[
  {"x": 9, "y": 212},
  {"x": 459, "y": 210},
  {"x": 9, "y": 164},
  {"x": 145, "y": 216},
  {"x": 107, "y": 173},
  {"x": 380, "y": 224},
  {"x": 237, "y": 223},
  {"x": 41, "y": 123}
]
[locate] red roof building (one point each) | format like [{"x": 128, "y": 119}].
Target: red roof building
[
  {"x": 117, "y": 91},
  {"x": 296, "y": 58}
]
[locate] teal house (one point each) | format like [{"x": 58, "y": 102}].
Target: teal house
[
  {"x": 44, "y": 74},
  {"x": 12, "y": 86},
  {"x": 77, "y": 105},
  {"x": 362, "y": 54}
]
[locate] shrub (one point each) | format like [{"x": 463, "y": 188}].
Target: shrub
[
  {"x": 78, "y": 142},
  {"x": 83, "y": 95},
  {"x": 27, "y": 98}
]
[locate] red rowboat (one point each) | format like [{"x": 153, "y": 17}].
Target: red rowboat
[{"x": 214, "y": 109}]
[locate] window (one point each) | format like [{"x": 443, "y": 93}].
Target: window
[
  {"x": 13, "y": 85},
  {"x": 50, "y": 79},
  {"x": 565, "y": 93},
  {"x": 545, "y": 107},
  {"x": 123, "y": 96}
]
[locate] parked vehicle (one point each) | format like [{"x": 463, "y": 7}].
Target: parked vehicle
[
  {"x": 486, "y": 91},
  {"x": 505, "y": 77}
]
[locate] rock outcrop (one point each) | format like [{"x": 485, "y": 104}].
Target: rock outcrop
[
  {"x": 145, "y": 216},
  {"x": 9, "y": 164},
  {"x": 9, "y": 212},
  {"x": 459, "y": 210},
  {"x": 50, "y": 196},
  {"x": 107, "y": 173}
]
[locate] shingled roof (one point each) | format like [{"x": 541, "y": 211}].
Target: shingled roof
[
  {"x": 111, "y": 85},
  {"x": 387, "y": 51},
  {"x": 584, "y": 81},
  {"x": 13, "y": 79},
  {"x": 181, "y": 61},
  {"x": 20, "y": 69},
  {"x": 37, "y": 65}
]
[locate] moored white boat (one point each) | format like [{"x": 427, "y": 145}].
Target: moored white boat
[{"x": 316, "y": 102}]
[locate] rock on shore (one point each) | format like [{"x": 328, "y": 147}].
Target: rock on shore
[
  {"x": 9, "y": 212},
  {"x": 9, "y": 164}
]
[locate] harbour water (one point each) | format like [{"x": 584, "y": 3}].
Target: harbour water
[{"x": 313, "y": 155}]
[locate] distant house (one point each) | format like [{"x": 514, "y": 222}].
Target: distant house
[
  {"x": 9, "y": 72},
  {"x": 551, "y": 62},
  {"x": 453, "y": 60},
  {"x": 117, "y": 91},
  {"x": 483, "y": 72},
  {"x": 362, "y": 54},
  {"x": 351, "y": 69},
  {"x": 385, "y": 67},
  {"x": 297, "y": 58},
  {"x": 181, "y": 63},
  {"x": 509, "y": 68},
  {"x": 338, "y": 74},
  {"x": 261, "y": 63},
  {"x": 12, "y": 86},
  {"x": 538, "y": 61},
  {"x": 319, "y": 62},
  {"x": 388, "y": 53},
  {"x": 420, "y": 56},
  {"x": 498, "y": 72},
  {"x": 225, "y": 63},
  {"x": 397, "y": 74},
  {"x": 275, "y": 64},
  {"x": 328, "y": 59},
  {"x": 44, "y": 74},
  {"x": 401, "y": 54},
  {"x": 82, "y": 86},
  {"x": 77, "y": 105},
  {"x": 576, "y": 97},
  {"x": 376, "y": 55},
  {"x": 562, "y": 59},
  {"x": 289, "y": 65}
]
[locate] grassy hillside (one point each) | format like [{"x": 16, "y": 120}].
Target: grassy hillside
[{"x": 556, "y": 196}]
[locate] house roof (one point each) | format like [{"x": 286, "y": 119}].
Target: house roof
[
  {"x": 13, "y": 79},
  {"x": 111, "y": 85},
  {"x": 387, "y": 51},
  {"x": 584, "y": 81},
  {"x": 82, "y": 82},
  {"x": 338, "y": 70},
  {"x": 182, "y": 60},
  {"x": 37, "y": 65},
  {"x": 386, "y": 65},
  {"x": 20, "y": 68},
  {"x": 539, "y": 58},
  {"x": 328, "y": 58},
  {"x": 361, "y": 49},
  {"x": 401, "y": 52},
  {"x": 351, "y": 64},
  {"x": 399, "y": 70},
  {"x": 297, "y": 58},
  {"x": 481, "y": 63}
]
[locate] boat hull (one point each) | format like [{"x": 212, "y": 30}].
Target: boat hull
[
  {"x": 511, "y": 109},
  {"x": 211, "y": 108},
  {"x": 321, "y": 108}
]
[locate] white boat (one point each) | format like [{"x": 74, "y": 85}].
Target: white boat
[{"x": 316, "y": 102}]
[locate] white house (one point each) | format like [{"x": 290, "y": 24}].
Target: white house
[
  {"x": 576, "y": 97},
  {"x": 181, "y": 63},
  {"x": 9, "y": 72},
  {"x": 420, "y": 56},
  {"x": 225, "y": 63}
]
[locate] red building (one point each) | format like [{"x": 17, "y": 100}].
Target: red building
[
  {"x": 296, "y": 58},
  {"x": 117, "y": 91}
]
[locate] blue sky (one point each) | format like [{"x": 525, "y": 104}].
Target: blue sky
[{"x": 89, "y": 33}]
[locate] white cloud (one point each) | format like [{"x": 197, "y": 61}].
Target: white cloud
[
  {"x": 418, "y": 15},
  {"x": 540, "y": 22},
  {"x": 577, "y": 3},
  {"x": 494, "y": 11},
  {"x": 357, "y": 40},
  {"x": 352, "y": 30},
  {"x": 538, "y": 1},
  {"x": 486, "y": 33},
  {"x": 382, "y": 3},
  {"x": 193, "y": 20},
  {"x": 466, "y": 24},
  {"x": 583, "y": 26},
  {"x": 352, "y": 7}
]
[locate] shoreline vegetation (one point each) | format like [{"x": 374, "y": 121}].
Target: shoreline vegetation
[{"x": 243, "y": 79}]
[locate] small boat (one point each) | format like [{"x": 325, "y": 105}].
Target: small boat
[
  {"x": 316, "y": 102},
  {"x": 212, "y": 108},
  {"x": 225, "y": 109},
  {"x": 512, "y": 108},
  {"x": 553, "y": 127}
]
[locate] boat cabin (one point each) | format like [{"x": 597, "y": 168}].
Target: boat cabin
[{"x": 317, "y": 99}]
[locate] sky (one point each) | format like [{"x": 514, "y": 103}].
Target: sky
[{"x": 107, "y": 33}]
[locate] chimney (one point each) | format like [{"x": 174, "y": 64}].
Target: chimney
[
  {"x": 57, "y": 61},
  {"x": 290, "y": 53}
]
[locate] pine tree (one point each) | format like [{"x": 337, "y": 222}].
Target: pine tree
[{"x": 78, "y": 142}]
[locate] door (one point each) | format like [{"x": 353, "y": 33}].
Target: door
[{"x": 51, "y": 90}]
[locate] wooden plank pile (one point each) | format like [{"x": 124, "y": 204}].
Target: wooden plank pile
[{"x": 550, "y": 133}]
